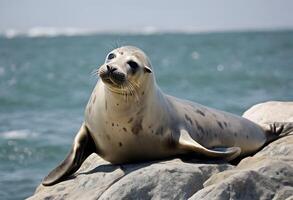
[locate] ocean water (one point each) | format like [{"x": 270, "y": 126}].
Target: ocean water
[{"x": 45, "y": 83}]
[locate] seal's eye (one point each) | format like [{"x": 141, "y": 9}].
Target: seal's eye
[
  {"x": 133, "y": 65},
  {"x": 111, "y": 56}
]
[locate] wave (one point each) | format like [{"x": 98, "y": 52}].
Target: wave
[
  {"x": 46, "y": 32},
  {"x": 55, "y": 32},
  {"x": 147, "y": 30},
  {"x": 18, "y": 134}
]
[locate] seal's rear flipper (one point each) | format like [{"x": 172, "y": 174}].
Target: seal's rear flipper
[
  {"x": 227, "y": 153},
  {"x": 82, "y": 147}
]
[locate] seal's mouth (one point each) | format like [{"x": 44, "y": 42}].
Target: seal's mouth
[
  {"x": 112, "y": 76},
  {"x": 114, "y": 80},
  {"x": 117, "y": 82}
]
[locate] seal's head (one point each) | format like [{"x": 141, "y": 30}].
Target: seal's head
[{"x": 125, "y": 68}]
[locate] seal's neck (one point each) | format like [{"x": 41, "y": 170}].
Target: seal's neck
[{"x": 128, "y": 102}]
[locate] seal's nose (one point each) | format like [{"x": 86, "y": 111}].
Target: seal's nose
[{"x": 111, "y": 69}]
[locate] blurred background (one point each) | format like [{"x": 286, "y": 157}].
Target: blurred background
[{"x": 224, "y": 54}]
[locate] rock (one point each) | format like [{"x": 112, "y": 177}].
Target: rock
[
  {"x": 266, "y": 175},
  {"x": 97, "y": 179},
  {"x": 272, "y": 111}
]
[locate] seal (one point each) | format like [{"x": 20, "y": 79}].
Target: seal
[{"x": 128, "y": 118}]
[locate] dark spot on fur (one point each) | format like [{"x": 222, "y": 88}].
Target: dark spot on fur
[
  {"x": 117, "y": 125},
  {"x": 124, "y": 129},
  {"x": 225, "y": 123},
  {"x": 159, "y": 131},
  {"x": 150, "y": 126},
  {"x": 200, "y": 112},
  {"x": 117, "y": 104},
  {"x": 94, "y": 99},
  {"x": 142, "y": 93},
  {"x": 188, "y": 119},
  {"x": 152, "y": 131},
  {"x": 235, "y": 134},
  {"x": 220, "y": 125},
  {"x": 130, "y": 120},
  {"x": 112, "y": 124},
  {"x": 120, "y": 144},
  {"x": 199, "y": 127},
  {"x": 247, "y": 137},
  {"x": 140, "y": 112},
  {"x": 171, "y": 142},
  {"x": 137, "y": 127}
]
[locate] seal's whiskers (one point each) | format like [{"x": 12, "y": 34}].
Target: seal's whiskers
[
  {"x": 134, "y": 92},
  {"x": 123, "y": 92},
  {"x": 95, "y": 72}
]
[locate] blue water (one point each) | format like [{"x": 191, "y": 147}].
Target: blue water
[{"x": 45, "y": 84}]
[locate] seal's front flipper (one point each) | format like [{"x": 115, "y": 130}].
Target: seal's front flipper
[
  {"x": 82, "y": 147},
  {"x": 227, "y": 153}
]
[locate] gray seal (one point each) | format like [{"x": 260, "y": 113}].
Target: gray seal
[{"x": 128, "y": 119}]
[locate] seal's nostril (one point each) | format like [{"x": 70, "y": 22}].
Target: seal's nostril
[{"x": 111, "y": 69}]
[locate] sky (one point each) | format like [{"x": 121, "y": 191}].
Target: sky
[{"x": 147, "y": 15}]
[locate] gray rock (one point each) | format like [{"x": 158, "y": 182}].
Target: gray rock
[
  {"x": 97, "y": 179},
  {"x": 272, "y": 111},
  {"x": 266, "y": 175}
]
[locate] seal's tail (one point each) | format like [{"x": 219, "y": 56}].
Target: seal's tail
[{"x": 278, "y": 129}]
